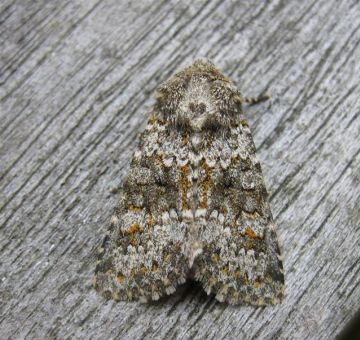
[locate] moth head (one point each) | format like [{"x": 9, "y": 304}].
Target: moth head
[{"x": 199, "y": 98}]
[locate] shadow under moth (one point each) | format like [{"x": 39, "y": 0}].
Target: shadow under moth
[{"x": 194, "y": 203}]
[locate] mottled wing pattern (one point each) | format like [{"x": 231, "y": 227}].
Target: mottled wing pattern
[
  {"x": 141, "y": 257},
  {"x": 241, "y": 260},
  {"x": 194, "y": 203}
]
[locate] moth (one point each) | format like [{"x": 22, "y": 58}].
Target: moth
[{"x": 194, "y": 202}]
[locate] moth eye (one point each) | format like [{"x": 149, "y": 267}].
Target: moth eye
[
  {"x": 192, "y": 107},
  {"x": 197, "y": 108}
]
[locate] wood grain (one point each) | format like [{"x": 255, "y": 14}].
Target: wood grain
[{"x": 76, "y": 82}]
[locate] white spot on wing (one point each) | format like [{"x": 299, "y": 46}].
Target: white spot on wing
[{"x": 168, "y": 162}]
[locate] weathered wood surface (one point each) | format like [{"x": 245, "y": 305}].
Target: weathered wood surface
[{"x": 77, "y": 78}]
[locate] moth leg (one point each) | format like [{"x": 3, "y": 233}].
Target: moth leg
[{"x": 256, "y": 100}]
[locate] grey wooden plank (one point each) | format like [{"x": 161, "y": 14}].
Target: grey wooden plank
[{"x": 77, "y": 80}]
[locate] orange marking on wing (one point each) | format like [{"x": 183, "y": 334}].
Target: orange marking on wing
[
  {"x": 134, "y": 241},
  {"x": 135, "y": 228},
  {"x": 223, "y": 210},
  {"x": 120, "y": 278},
  {"x": 257, "y": 284},
  {"x": 206, "y": 185},
  {"x": 134, "y": 208},
  {"x": 250, "y": 233},
  {"x": 185, "y": 185}
]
